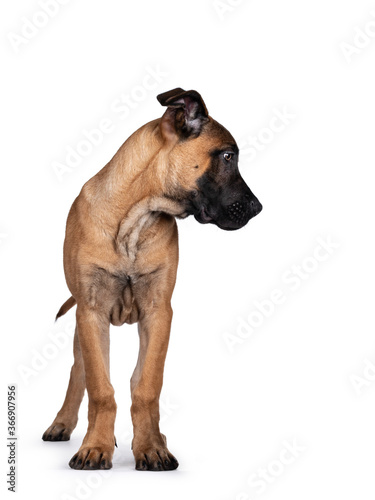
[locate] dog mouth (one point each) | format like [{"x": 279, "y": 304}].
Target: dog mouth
[
  {"x": 227, "y": 217},
  {"x": 232, "y": 221},
  {"x": 203, "y": 215}
]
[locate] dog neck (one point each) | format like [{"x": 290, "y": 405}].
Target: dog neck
[
  {"x": 140, "y": 217},
  {"x": 143, "y": 162},
  {"x": 139, "y": 168}
]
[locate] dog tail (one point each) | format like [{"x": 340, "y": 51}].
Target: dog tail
[{"x": 66, "y": 306}]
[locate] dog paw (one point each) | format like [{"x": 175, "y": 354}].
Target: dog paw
[
  {"x": 91, "y": 458},
  {"x": 155, "y": 459},
  {"x": 57, "y": 432}
]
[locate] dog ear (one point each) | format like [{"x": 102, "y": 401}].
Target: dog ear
[{"x": 186, "y": 113}]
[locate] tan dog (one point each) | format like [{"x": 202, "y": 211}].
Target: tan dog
[{"x": 120, "y": 261}]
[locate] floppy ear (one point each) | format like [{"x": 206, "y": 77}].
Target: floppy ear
[{"x": 186, "y": 113}]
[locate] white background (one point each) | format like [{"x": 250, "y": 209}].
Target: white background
[{"x": 305, "y": 374}]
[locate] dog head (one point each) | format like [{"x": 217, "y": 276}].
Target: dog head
[{"x": 203, "y": 163}]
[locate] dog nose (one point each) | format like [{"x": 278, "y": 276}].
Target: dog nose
[
  {"x": 238, "y": 212},
  {"x": 255, "y": 207}
]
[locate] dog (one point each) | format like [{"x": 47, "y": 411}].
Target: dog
[{"x": 120, "y": 263}]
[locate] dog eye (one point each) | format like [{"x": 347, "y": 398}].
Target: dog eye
[{"x": 228, "y": 156}]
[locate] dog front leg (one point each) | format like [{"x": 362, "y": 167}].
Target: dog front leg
[
  {"x": 149, "y": 445},
  {"x": 98, "y": 445}
]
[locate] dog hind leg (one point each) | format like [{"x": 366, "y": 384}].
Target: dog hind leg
[{"x": 67, "y": 418}]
